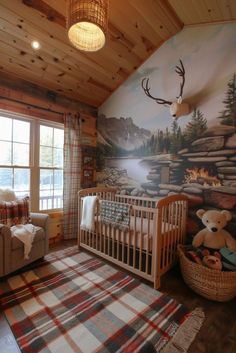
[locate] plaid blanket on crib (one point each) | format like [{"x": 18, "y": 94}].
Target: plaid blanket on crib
[{"x": 116, "y": 214}]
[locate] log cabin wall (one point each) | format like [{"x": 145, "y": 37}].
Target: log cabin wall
[
  {"x": 144, "y": 152},
  {"x": 23, "y": 97}
]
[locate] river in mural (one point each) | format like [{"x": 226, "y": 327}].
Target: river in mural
[{"x": 134, "y": 167}]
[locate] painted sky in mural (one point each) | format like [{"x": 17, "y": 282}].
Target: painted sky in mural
[{"x": 208, "y": 54}]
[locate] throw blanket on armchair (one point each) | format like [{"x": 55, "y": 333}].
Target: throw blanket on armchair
[{"x": 25, "y": 233}]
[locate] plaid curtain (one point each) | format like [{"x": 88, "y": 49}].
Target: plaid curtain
[{"x": 72, "y": 170}]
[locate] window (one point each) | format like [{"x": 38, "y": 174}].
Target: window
[
  {"x": 31, "y": 160},
  {"x": 51, "y": 167},
  {"x": 15, "y": 155}
]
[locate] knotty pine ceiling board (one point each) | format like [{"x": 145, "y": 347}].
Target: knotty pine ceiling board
[
  {"x": 136, "y": 29},
  {"x": 204, "y": 11}
]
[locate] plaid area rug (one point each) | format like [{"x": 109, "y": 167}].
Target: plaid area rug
[{"x": 75, "y": 303}]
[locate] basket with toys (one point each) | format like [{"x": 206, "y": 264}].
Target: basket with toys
[{"x": 208, "y": 265}]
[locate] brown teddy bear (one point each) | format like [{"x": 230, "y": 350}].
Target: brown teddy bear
[{"x": 214, "y": 236}]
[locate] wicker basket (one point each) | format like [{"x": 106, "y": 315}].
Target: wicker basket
[{"x": 211, "y": 284}]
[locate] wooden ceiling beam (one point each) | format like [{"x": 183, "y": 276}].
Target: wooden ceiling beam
[{"x": 51, "y": 13}]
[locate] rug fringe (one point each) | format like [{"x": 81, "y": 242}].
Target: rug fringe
[{"x": 185, "y": 335}]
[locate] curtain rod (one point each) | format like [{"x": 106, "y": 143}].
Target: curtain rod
[{"x": 32, "y": 105}]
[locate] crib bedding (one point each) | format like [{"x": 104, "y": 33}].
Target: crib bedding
[{"x": 140, "y": 232}]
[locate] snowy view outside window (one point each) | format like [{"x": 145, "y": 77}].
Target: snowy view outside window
[
  {"x": 51, "y": 167},
  {"x": 19, "y": 154},
  {"x": 15, "y": 155}
]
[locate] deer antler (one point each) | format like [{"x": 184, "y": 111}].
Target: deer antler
[
  {"x": 181, "y": 72},
  {"x": 146, "y": 89}
]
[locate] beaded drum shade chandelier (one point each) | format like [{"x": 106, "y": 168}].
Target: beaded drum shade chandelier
[{"x": 87, "y": 22}]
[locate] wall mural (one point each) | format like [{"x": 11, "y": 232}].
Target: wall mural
[{"x": 143, "y": 151}]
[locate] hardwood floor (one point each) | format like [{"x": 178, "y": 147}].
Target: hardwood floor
[{"x": 217, "y": 335}]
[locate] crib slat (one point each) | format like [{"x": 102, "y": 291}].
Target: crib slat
[
  {"x": 141, "y": 243},
  {"x": 109, "y": 238},
  {"x": 104, "y": 226},
  {"x": 118, "y": 245},
  {"x": 128, "y": 249},
  {"x": 113, "y": 234},
  {"x": 123, "y": 245}
]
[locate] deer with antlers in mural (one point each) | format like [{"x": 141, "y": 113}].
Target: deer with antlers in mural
[{"x": 177, "y": 108}]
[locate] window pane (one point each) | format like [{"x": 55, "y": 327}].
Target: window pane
[
  {"x": 5, "y": 128},
  {"x": 58, "y": 157},
  {"x": 46, "y": 156},
  {"x": 5, "y": 155},
  {"x": 58, "y": 179},
  {"x": 22, "y": 181},
  {"x": 46, "y": 200},
  {"x": 46, "y": 179},
  {"x": 58, "y": 199},
  {"x": 58, "y": 138},
  {"x": 6, "y": 178},
  {"x": 46, "y": 135},
  {"x": 20, "y": 154},
  {"x": 21, "y": 131}
]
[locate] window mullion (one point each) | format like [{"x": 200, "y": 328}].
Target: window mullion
[{"x": 34, "y": 164}]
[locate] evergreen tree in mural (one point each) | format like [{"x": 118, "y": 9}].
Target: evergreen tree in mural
[
  {"x": 166, "y": 141},
  {"x": 195, "y": 128},
  {"x": 176, "y": 139},
  {"x": 228, "y": 115}
]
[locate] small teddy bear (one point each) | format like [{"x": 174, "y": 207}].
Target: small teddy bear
[{"x": 214, "y": 236}]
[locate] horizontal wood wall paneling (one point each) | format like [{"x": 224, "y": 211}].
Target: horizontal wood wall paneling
[
  {"x": 24, "y": 109},
  {"x": 28, "y": 93}
]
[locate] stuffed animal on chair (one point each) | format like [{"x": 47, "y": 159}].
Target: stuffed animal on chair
[{"x": 214, "y": 236}]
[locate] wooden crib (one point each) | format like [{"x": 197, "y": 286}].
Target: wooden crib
[{"x": 148, "y": 247}]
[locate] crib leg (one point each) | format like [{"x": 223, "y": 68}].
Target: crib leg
[{"x": 157, "y": 282}]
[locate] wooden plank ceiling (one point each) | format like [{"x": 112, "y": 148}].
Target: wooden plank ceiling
[{"x": 136, "y": 29}]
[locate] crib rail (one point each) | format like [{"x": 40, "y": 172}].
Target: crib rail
[
  {"x": 102, "y": 193},
  {"x": 171, "y": 230},
  {"x": 148, "y": 247},
  {"x": 138, "y": 201}
]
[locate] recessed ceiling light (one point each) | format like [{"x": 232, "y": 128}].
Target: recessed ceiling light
[{"x": 35, "y": 45}]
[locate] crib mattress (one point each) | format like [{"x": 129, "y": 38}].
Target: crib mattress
[{"x": 140, "y": 233}]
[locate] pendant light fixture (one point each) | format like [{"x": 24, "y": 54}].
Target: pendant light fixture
[{"x": 87, "y": 22}]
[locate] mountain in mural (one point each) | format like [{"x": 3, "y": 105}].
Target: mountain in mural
[{"x": 122, "y": 133}]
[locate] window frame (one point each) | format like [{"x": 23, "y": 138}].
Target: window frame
[
  {"x": 54, "y": 126},
  {"x": 34, "y": 155}
]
